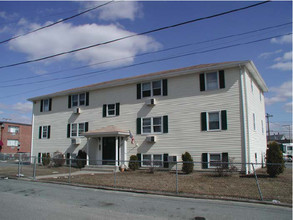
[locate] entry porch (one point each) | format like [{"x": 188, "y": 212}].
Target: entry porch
[{"x": 107, "y": 146}]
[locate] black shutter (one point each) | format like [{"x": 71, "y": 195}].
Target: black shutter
[
  {"x": 225, "y": 160},
  {"x": 40, "y": 132},
  {"x": 139, "y": 159},
  {"x": 204, "y": 160},
  {"x": 203, "y": 121},
  {"x": 138, "y": 91},
  {"x": 117, "y": 109},
  {"x": 87, "y": 98},
  {"x": 39, "y": 157},
  {"x": 138, "y": 126},
  {"x": 165, "y": 87},
  {"x": 49, "y": 131},
  {"x": 41, "y": 105},
  {"x": 165, "y": 124},
  {"x": 224, "y": 119},
  {"x": 222, "y": 79},
  {"x": 50, "y": 104},
  {"x": 166, "y": 162},
  {"x": 201, "y": 82},
  {"x": 68, "y": 130},
  {"x": 86, "y": 126},
  {"x": 104, "y": 111},
  {"x": 69, "y": 101}
]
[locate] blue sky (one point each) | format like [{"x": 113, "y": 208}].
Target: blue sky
[{"x": 272, "y": 57}]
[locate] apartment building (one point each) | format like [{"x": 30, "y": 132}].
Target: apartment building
[{"x": 216, "y": 112}]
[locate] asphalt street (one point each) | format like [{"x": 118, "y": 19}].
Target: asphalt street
[{"x": 34, "y": 200}]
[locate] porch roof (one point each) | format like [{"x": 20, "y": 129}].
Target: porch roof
[{"x": 110, "y": 130}]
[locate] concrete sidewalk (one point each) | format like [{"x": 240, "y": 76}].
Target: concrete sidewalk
[{"x": 82, "y": 172}]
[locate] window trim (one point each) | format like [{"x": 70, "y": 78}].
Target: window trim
[
  {"x": 77, "y": 129},
  {"x": 12, "y": 140},
  {"x": 78, "y": 99},
  {"x": 206, "y": 81},
  {"x": 12, "y": 126},
  {"x": 151, "y": 89},
  {"x": 208, "y": 120},
  {"x": 152, "y": 160},
  {"x": 42, "y": 132},
  {"x": 254, "y": 121},
  {"x": 152, "y": 125},
  {"x": 209, "y": 159},
  {"x": 107, "y": 110}
]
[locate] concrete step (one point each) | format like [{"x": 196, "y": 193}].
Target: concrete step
[{"x": 101, "y": 168}]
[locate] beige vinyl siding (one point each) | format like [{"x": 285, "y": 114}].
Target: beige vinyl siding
[
  {"x": 183, "y": 106},
  {"x": 257, "y": 139}
]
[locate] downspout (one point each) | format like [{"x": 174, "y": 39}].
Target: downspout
[{"x": 244, "y": 117}]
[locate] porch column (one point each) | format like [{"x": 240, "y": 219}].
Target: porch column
[
  {"x": 116, "y": 151},
  {"x": 125, "y": 152},
  {"x": 87, "y": 152}
]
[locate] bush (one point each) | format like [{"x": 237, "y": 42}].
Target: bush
[
  {"x": 133, "y": 164},
  {"x": 187, "y": 167},
  {"x": 46, "y": 159},
  {"x": 81, "y": 159},
  {"x": 274, "y": 155},
  {"x": 58, "y": 159}
]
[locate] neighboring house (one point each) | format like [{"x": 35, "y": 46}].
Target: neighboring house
[
  {"x": 276, "y": 137},
  {"x": 15, "y": 138},
  {"x": 216, "y": 112}
]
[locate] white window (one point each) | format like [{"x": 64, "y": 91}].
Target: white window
[
  {"x": 78, "y": 99},
  {"x": 12, "y": 143},
  {"x": 262, "y": 128},
  {"x": 46, "y": 104},
  {"x": 214, "y": 121},
  {"x": 44, "y": 132},
  {"x": 111, "y": 110},
  {"x": 152, "y": 125},
  {"x": 214, "y": 160},
  {"x": 260, "y": 95},
  {"x": 152, "y": 160},
  {"x": 212, "y": 81},
  {"x": 251, "y": 83},
  {"x": 13, "y": 129},
  {"x": 254, "y": 126},
  {"x": 151, "y": 88},
  {"x": 77, "y": 129}
]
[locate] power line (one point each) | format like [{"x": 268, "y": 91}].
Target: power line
[
  {"x": 57, "y": 22},
  {"x": 146, "y": 62},
  {"x": 147, "y": 53},
  {"x": 133, "y": 35}
]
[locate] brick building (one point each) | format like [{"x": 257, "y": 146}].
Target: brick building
[{"x": 15, "y": 137}]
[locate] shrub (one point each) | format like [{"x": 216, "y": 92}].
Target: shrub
[
  {"x": 274, "y": 155},
  {"x": 81, "y": 159},
  {"x": 133, "y": 164},
  {"x": 187, "y": 167},
  {"x": 58, "y": 159},
  {"x": 46, "y": 159}
]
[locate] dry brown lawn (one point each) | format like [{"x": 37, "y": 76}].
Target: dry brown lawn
[{"x": 197, "y": 183}]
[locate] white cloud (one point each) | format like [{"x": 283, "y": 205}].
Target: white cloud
[
  {"x": 282, "y": 93},
  {"x": 25, "y": 107},
  {"x": 288, "y": 107},
  {"x": 266, "y": 55},
  {"x": 284, "y": 62},
  {"x": 115, "y": 10},
  {"x": 66, "y": 37},
  {"x": 282, "y": 40}
]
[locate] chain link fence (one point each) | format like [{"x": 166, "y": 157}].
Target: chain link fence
[{"x": 221, "y": 180}]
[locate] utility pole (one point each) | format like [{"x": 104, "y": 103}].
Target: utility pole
[
  {"x": 290, "y": 134},
  {"x": 268, "y": 116}
]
